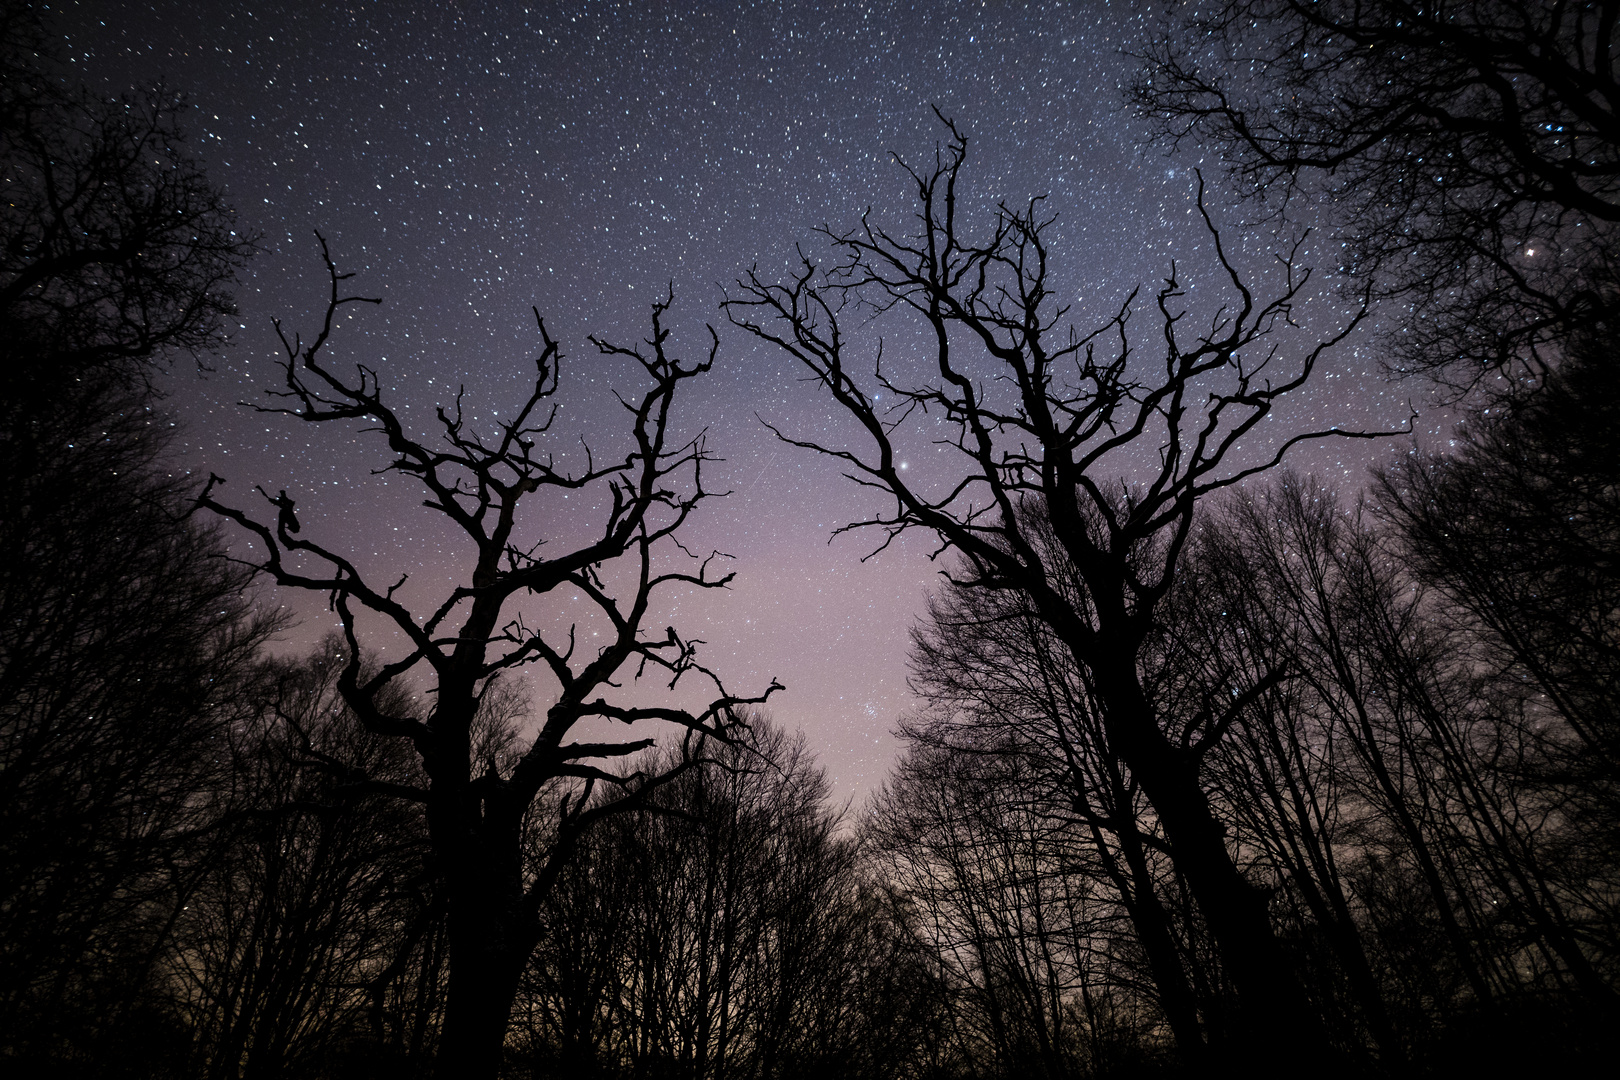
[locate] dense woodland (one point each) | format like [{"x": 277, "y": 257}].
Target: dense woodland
[{"x": 1214, "y": 766}]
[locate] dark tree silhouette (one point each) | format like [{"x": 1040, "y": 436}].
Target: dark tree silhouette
[
  {"x": 124, "y": 640},
  {"x": 1260, "y": 592},
  {"x": 1059, "y": 406},
  {"x": 125, "y": 636},
  {"x": 723, "y": 931},
  {"x": 115, "y": 250},
  {"x": 1470, "y": 152},
  {"x": 997, "y": 682},
  {"x": 1397, "y": 783},
  {"x": 477, "y": 811},
  {"x": 1439, "y": 864},
  {"x": 1009, "y": 890},
  {"x": 317, "y": 933},
  {"x": 1521, "y": 524}
]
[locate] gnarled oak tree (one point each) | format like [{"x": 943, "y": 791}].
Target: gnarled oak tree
[
  {"x": 478, "y": 632},
  {"x": 1036, "y": 411}
]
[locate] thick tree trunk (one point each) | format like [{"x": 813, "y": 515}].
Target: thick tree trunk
[
  {"x": 477, "y": 838},
  {"x": 1279, "y": 1027},
  {"x": 488, "y": 951}
]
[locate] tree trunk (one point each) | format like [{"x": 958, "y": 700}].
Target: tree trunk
[
  {"x": 485, "y": 964},
  {"x": 491, "y": 930},
  {"x": 1279, "y": 1027}
]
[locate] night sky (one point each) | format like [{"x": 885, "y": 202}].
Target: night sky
[{"x": 469, "y": 160}]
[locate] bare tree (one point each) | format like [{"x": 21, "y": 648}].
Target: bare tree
[
  {"x": 1519, "y": 523},
  {"x": 722, "y": 931},
  {"x": 997, "y": 681},
  {"x": 478, "y": 632},
  {"x": 124, "y": 637},
  {"x": 1264, "y": 589},
  {"x": 125, "y": 640},
  {"x": 1008, "y": 892},
  {"x": 1392, "y": 781},
  {"x": 114, "y": 247},
  {"x": 1058, "y": 406},
  {"x": 1468, "y": 152}
]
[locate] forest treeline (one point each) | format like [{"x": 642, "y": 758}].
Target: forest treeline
[
  {"x": 1215, "y": 767},
  {"x": 1427, "y": 794}
]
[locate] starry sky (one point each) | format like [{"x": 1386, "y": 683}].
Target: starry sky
[{"x": 470, "y": 160}]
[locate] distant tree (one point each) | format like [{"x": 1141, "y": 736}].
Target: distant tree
[
  {"x": 1435, "y": 854},
  {"x": 477, "y": 810},
  {"x": 1392, "y": 783},
  {"x": 125, "y": 642},
  {"x": 1036, "y": 410},
  {"x": 726, "y": 930},
  {"x": 1469, "y": 153},
  {"x": 1260, "y": 592},
  {"x": 1520, "y": 524},
  {"x": 126, "y": 637},
  {"x": 1009, "y": 891},
  {"x": 115, "y": 250}
]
